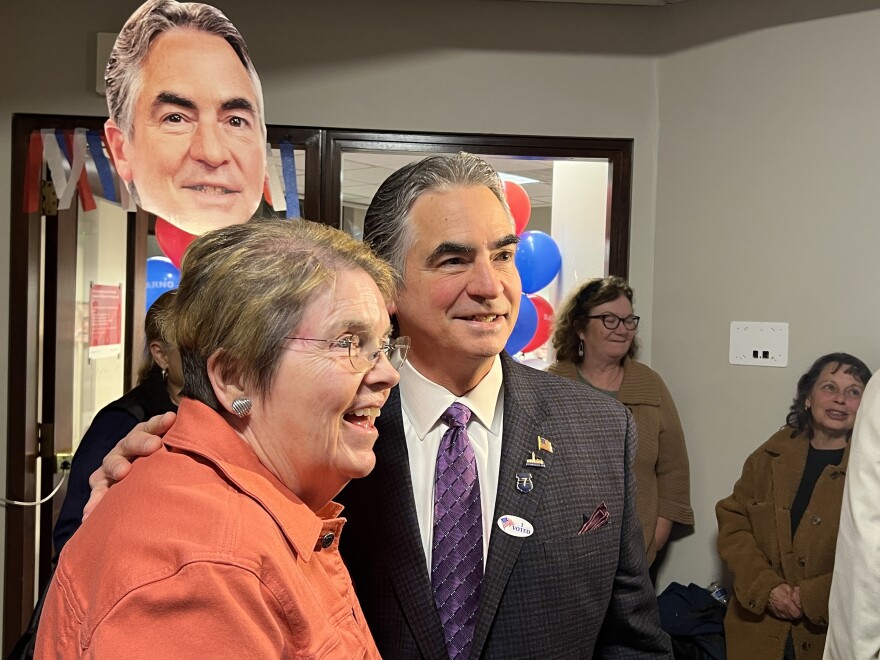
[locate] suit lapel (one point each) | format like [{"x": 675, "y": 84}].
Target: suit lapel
[
  {"x": 522, "y": 426},
  {"x": 407, "y": 565}
]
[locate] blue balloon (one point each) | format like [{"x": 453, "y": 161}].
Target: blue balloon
[
  {"x": 525, "y": 326},
  {"x": 162, "y": 276},
  {"x": 538, "y": 260}
]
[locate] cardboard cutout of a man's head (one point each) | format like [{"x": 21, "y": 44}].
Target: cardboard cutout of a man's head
[{"x": 187, "y": 130}]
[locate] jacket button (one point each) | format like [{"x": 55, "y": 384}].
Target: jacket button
[
  {"x": 802, "y": 561},
  {"x": 805, "y": 646},
  {"x": 327, "y": 540},
  {"x": 752, "y": 604},
  {"x": 834, "y": 475},
  {"x": 815, "y": 520}
]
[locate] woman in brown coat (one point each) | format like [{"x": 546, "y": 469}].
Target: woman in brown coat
[
  {"x": 778, "y": 530},
  {"x": 595, "y": 342}
]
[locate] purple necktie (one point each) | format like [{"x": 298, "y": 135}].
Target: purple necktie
[{"x": 457, "y": 552}]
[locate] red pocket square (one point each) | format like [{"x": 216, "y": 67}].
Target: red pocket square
[{"x": 599, "y": 518}]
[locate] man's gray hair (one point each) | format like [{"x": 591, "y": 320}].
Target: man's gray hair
[
  {"x": 386, "y": 225},
  {"x": 123, "y": 76}
]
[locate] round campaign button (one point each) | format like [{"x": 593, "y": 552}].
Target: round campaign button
[{"x": 515, "y": 526}]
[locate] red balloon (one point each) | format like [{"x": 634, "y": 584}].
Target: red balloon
[
  {"x": 172, "y": 240},
  {"x": 545, "y": 324},
  {"x": 519, "y": 203}
]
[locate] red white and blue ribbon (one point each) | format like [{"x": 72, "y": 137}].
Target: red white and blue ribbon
[
  {"x": 33, "y": 167},
  {"x": 276, "y": 188},
  {"x": 80, "y": 158},
  {"x": 105, "y": 171},
  {"x": 288, "y": 171}
]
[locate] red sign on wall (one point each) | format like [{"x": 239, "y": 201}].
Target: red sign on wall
[{"x": 105, "y": 320}]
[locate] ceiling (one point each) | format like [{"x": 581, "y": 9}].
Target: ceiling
[{"x": 363, "y": 173}]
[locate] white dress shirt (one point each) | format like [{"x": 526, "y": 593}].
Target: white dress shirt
[{"x": 423, "y": 402}]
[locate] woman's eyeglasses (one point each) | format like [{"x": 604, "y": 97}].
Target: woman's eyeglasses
[
  {"x": 611, "y": 321},
  {"x": 364, "y": 354}
]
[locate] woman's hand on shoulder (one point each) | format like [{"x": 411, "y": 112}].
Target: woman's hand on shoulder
[{"x": 143, "y": 440}]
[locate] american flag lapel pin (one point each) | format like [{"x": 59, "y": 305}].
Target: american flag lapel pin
[{"x": 545, "y": 445}]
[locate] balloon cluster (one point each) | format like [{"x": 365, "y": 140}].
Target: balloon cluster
[
  {"x": 538, "y": 261},
  {"x": 172, "y": 240},
  {"x": 163, "y": 273},
  {"x": 162, "y": 276}
]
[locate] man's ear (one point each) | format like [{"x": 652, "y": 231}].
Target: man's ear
[
  {"x": 226, "y": 389},
  {"x": 160, "y": 357},
  {"x": 117, "y": 143}
]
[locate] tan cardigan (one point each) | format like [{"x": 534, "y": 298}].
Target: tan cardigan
[
  {"x": 754, "y": 540},
  {"x": 662, "y": 471}
]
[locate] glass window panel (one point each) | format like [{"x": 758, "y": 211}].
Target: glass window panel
[{"x": 98, "y": 371}]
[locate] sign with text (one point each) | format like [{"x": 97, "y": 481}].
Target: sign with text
[{"x": 105, "y": 321}]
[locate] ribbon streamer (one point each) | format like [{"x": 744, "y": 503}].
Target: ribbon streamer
[
  {"x": 275, "y": 186},
  {"x": 288, "y": 170},
  {"x": 63, "y": 144},
  {"x": 81, "y": 153},
  {"x": 267, "y": 191},
  {"x": 32, "y": 174},
  {"x": 105, "y": 174},
  {"x": 59, "y": 166},
  {"x": 76, "y": 168}
]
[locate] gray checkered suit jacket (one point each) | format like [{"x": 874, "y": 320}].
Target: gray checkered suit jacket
[{"x": 551, "y": 595}]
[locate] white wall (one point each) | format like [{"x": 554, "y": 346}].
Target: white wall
[{"x": 767, "y": 210}]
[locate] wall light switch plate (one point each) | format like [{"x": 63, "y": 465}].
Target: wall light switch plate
[{"x": 759, "y": 344}]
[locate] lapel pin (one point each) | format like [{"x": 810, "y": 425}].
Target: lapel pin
[
  {"x": 524, "y": 483},
  {"x": 545, "y": 445},
  {"x": 535, "y": 462}
]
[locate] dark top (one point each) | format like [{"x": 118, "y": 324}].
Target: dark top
[
  {"x": 817, "y": 460},
  {"x": 110, "y": 425}
]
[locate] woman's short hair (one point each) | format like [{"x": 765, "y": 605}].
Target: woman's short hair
[
  {"x": 572, "y": 318},
  {"x": 800, "y": 418},
  {"x": 153, "y": 332},
  {"x": 244, "y": 287}
]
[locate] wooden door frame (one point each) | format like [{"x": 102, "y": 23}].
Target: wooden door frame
[{"x": 26, "y": 438}]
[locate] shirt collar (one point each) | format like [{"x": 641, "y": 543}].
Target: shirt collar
[{"x": 424, "y": 401}]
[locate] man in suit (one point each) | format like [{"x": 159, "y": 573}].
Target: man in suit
[
  {"x": 444, "y": 225},
  {"x": 557, "y": 567}
]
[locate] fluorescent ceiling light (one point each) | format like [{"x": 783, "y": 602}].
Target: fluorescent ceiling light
[{"x": 516, "y": 178}]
